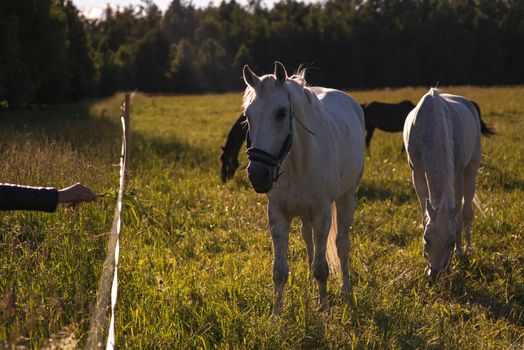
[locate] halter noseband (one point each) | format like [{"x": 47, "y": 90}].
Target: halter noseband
[{"x": 257, "y": 155}]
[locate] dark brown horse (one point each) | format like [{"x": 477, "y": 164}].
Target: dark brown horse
[
  {"x": 385, "y": 116},
  {"x": 235, "y": 139}
]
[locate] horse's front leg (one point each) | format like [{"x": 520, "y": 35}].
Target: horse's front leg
[
  {"x": 321, "y": 224},
  {"x": 459, "y": 191},
  {"x": 279, "y": 225},
  {"x": 307, "y": 235}
]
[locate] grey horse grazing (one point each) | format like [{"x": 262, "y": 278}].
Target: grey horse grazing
[
  {"x": 307, "y": 153},
  {"x": 442, "y": 139}
]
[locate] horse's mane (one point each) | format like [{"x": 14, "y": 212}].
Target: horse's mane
[
  {"x": 300, "y": 76},
  {"x": 299, "y": 85},
  {"x": 441, "y": 140}
]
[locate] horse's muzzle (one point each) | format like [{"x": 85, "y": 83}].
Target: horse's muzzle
[
  {"x": 261, "y": 176},
  {"x": 223, "y": 175}
]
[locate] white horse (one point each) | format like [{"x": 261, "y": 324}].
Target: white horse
[
  {"x": 442, "y": 139},
  {"x": 307, "y": 152}
]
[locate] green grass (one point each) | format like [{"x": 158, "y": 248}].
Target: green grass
[{"x": 196, "y": 255}]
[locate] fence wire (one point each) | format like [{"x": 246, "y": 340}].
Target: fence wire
[{"x": 109, "y": 279}]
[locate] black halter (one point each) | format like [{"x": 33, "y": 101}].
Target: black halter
[{"x": 258, "y": 155}]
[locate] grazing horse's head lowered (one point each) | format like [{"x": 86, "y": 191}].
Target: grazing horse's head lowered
[
  {"x": 270, "y": 119},
  {"x": 229, "y": 165},
  {"x": 439, "y": 237},
  {"x": 235, "y": 139}
]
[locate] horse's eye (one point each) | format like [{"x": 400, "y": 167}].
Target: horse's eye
[{"x": 281, "y": 113}]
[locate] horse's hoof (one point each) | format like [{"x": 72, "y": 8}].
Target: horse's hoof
[
  {"x": 346, "y": 293},
  {"x": 324, "y": 306},
  {"x": 277, "y": 309},
  {"x": 348, "y": 297},
  {"x": 346, "y": 289},
  {"x": 459, "y": 253}
]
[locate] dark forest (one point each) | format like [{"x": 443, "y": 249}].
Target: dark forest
[{"x": 51, "y": 54}]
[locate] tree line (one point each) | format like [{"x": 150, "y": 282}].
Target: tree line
[{"x": 50, "y": 53}]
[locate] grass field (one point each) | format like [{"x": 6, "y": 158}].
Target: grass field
[{"x": 196, "y": 255}]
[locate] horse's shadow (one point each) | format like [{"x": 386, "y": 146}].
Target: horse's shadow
[
  {"x": 74, "y": 124},
  {"x": 465, "y": 292},
  {"x": 79, "y": 127}
]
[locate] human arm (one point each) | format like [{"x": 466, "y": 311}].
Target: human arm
[{"x": 16, "y": 197}]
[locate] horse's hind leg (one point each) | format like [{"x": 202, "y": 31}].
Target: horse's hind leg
[
  {"x": 345, "y": 212},
  {"x": 369, "y": 135},
  {"x": 321, "y": 224},
  {"x": 307, "y": 236},
  {"x": 459, "y": 192},
  {"x": 279, "y": 225},
  {"x": 419, "y": 182},
  {"x": 467, "y": 209}
]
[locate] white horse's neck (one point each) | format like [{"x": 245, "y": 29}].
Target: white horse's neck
[{"x": 299, "y": 164}]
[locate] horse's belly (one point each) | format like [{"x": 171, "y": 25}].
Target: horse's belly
[{"x": 392, "y": 127}]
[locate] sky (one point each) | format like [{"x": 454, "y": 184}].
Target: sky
[{"x": 94, "y": 8}]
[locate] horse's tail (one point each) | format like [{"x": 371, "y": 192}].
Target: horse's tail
[
  {"x": 478, "y": 204},
  {"x": 485, "y": 129},
  {"x": 331, "y": 251}
]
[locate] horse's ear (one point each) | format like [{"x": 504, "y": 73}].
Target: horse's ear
[
  {"x": 280, "y": 73},
  {"x": 432, "y": 213},
  {"x": 250, "y": 78}
]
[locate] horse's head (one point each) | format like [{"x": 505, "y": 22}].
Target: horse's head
[
  {"x": 439, "y": 238},
  {"x": 268, "y": 110},
  {"x": 229, "y": 165}
]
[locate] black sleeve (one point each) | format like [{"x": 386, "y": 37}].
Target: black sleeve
[{"x": 15, "y": 197}]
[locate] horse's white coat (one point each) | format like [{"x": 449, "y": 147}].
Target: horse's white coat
[
  {"x": 319, "y": 170},
  {"x": 442, "y": 139}
]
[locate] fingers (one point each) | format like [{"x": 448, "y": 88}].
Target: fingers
[{"x": 84, "y": 193}]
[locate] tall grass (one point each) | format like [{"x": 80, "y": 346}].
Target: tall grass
[{"x": 196, "y": 256}]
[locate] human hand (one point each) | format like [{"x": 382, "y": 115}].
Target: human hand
[{"x": 76, "y": 193}]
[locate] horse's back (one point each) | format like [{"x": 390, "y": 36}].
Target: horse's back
[
  {"x": 341, "y": 107},
  {"x": 466, "y": 126}
]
